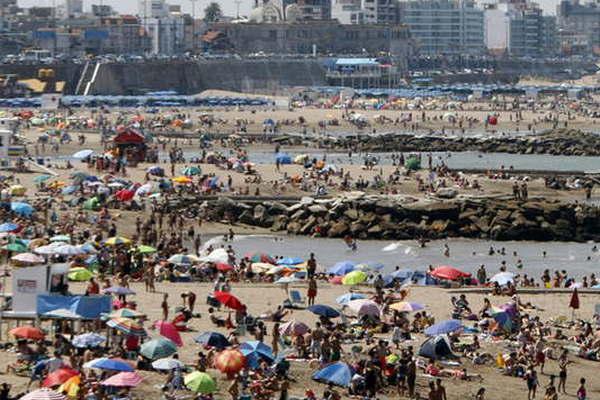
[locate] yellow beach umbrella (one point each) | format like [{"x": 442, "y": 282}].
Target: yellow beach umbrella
[{"x": 354, "y": 278}]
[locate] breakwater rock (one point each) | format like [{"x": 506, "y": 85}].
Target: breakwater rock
[
  {"x": 400, "y": 217},
  {"x": 557, "y": 142}
]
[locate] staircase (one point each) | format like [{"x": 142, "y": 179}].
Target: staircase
[{"x": 88, "y": 76}]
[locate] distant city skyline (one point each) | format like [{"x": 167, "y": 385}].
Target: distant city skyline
[{"x": 229, "y": 6}]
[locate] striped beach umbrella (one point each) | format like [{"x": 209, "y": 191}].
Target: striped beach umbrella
[
  {"x": 126, "y": 313},
  {"x": 123, "y": 379},
  {"x": 43, "y": 394},
  {"x": 183, "y": 259},
  {"x": 90, "y": 339},
  {"x": 127, "y": 326},
  {"x": 158, "y": 348}
]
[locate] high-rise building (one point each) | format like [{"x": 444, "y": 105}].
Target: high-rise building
[
  {"x": 450, "y": 27},
  {"x": 579, "y": 26},
  {"x": 380, "y": 11},
  {"x": 348, "y": 12}
]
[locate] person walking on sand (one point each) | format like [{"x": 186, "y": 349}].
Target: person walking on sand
[
  {"x": 275, "y": 340},
  {"x": 532, "y": 383},
  {"x": 562, "y": 375},
  {"x": 312, "y": 291},
  {"x": 581, "y": 392},
  {"x": 165, "y": 307}
]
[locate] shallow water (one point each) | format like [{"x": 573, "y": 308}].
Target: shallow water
[{"x": 465, "y": 254}]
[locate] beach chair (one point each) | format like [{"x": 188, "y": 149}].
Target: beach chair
[{"x": 296, "y": 299}]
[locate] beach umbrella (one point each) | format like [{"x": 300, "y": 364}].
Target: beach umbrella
[
  {"x": 230, "y": 362},
  {"x": 191, "y": 171},
  {"x": 183, "y": 259},
  {"x": 80, "y": 274},
  {"x": 81, "y": 154},
  {"x": 336, "y": 280},
  {"x": 354, "y": 278},
  {"x": 143, "y": 249},
  {"x": 402, "y": 274},
  {"x": 364, "y": 307},
  {"x": 35, "y": 243},
  {"x": 41, "y": 178},
  {"x": 217, "y": 255},
  {"x": 9, "y": 227},
  {"x": 259, "y": 267},
  {"x": 59, "y": 377},
  {"x": 119, "y": 290},
  {"x": 90, "y": 339},
  {"x": 88, "y": 248},
  {"x": 200, "y": 382},
  {"x": 348, "y": 297},
  {"x": 213, "y": 339},
  {"x": 158, "y": 348},
  {"x": 293, "y": 328},
  {"x": 156, "y": 170},
  {"x": 167, "y": 364},
  {"x": 48, "y": 249},
  {"x": 255, "y": 352},
  {"x": 285, "y": 280},
  {"x": 449, "y": 273},
  {"x": 22, "y": 209},
  {"x": 339, "y": 374},
  {"x": 369, "y": 266},
  {"x": 182, "y": 180},
  {"x": 224, "y": 267},
  {"x": 283, "y": 158},
  {"x": 28, "y": 258},
  {"x": 44, "y": 394},
  {"x": 260, "y": 258},
  {"x": 117, "y": 240},
  {"x": 407, "y": 306},
  {"x": 109, "y": 364},
  {"x": 127, "y": 326},
  {"x": 448, "y": 326},
  {"x": 15, "y": 247},
  {"x": 68, "y": 250},
  {"x": 169, "y": 331},
  {"x": 71, "y": 386},
  {"x": 290, "y": 261},
  {"x": 125, "y": 313},
  {"x": 123, "y": 379},
  {"x": 504, "y": 320},
  {"x": 503, "y": 278},
  {"x": 342, "y": 268},
  {"x": 229, "y": 300},
  {"x": 324, "y": 311},
  {"x": 60, "y": 238},
  {"x": 27, "y": 332}
]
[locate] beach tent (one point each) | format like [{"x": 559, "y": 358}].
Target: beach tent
[
  {"x": 338, "y": 373},
  {"x": 436, "y": 348},
  {"x": 283, "y": 158}
]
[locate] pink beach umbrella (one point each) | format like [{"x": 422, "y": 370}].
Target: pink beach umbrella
[
  {"x": 293, "y": 328},
  {"x": 123, "y": 379},
  {"x": 169, "y": 330},
  {"x": 364, "y": 307},
  {"x": 43, "y": 394}
]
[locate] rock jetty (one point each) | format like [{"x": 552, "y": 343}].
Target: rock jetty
[
  {"x": 401, "y": 217},
  {"x": 557, "y": 142}
]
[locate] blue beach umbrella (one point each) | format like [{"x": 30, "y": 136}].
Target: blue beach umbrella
[
  {"x": 338, "y": 373},
  {"x": 448, "y": 326},
  {"x": 8, "y": 227},
  {"x": 22, "y": 209},
  {"x": 283, "y": 158},
  {"x": 290, "y": 261},
  {"x": 348, "y": 297},
  {"x": 342, "y": 268},
  {"x": 110, "y": 364},
  {"x": 324, "y": 311},
  {"x": 255, "y": 352},
  {"x": 213, "y": 339}
]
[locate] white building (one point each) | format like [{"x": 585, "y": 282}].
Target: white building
[
  {"x": 70, "y": 8},
  {"x": 497, "y": 27},
  {"x": 348, "y": 12},
  {"x": 167, "y": 34},
  {"x": 153, "y": 8}
]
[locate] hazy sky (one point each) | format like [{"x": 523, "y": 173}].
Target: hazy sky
[{"x": 229, "y": 6}]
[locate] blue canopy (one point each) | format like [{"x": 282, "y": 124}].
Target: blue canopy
[
  {"x": 8, "y": 227},
  {"x": 213, "y": 339},
  {"x": 402, "y": 274},
  {"x": 342, "y": 268},
  {"x": 283, "y": 158},
  {"x": 443, "y": 327},
  {"x": 22, "y": 209},
  {"x": 348, "y": 297},
  {"x": 338, "y": 373},
  {"x": 290, "y": 261},
  {"x": 324, "y": 311},
  {"x": 255, "y": 352}
]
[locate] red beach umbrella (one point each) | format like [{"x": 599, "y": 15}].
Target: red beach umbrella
[
  {"x": 449, "y": 273},
  {"x": 229, "y": 300},
  {"x": 27, "y": 332},
  {"x": 574, "y": 303},
  {"x": 230, "y": 362},
  {"x": 224, "y": 267},
  {"x": 59, "y": 377},
  {"x": 169, "y": 330}
]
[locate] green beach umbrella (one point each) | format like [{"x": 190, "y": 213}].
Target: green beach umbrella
[
  {"x": 200, "y": 382},
  {"x": 413, "y": 163},
  {"x": 80, "y": 274},
  {"x": 143, "y": 249},
  {"x": 354, "y": 278},
  {"x": 15, "y": 247},
  {"x": 189, "y": 171},
  {"x": 158, "y": 348}
]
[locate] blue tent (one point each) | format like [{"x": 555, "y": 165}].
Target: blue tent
[
  {"x": 338, "y": 373},
  {"x": 436, "y": 348},
  {"x": 22, "y": 209},
  {"x": 324, "y": 311},
  {"x": 213, "y": 339},
  {"x": 443, "y": 327},
  {"x": 283, "y": 158},
  {"x": 342, "y": 268},
  {"x": 256, "y": 352}
]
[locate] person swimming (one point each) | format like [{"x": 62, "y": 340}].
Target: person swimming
[{"x": 351, "y": 243}]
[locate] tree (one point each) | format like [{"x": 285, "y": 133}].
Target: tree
[{"x": 212, "y": 12}]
